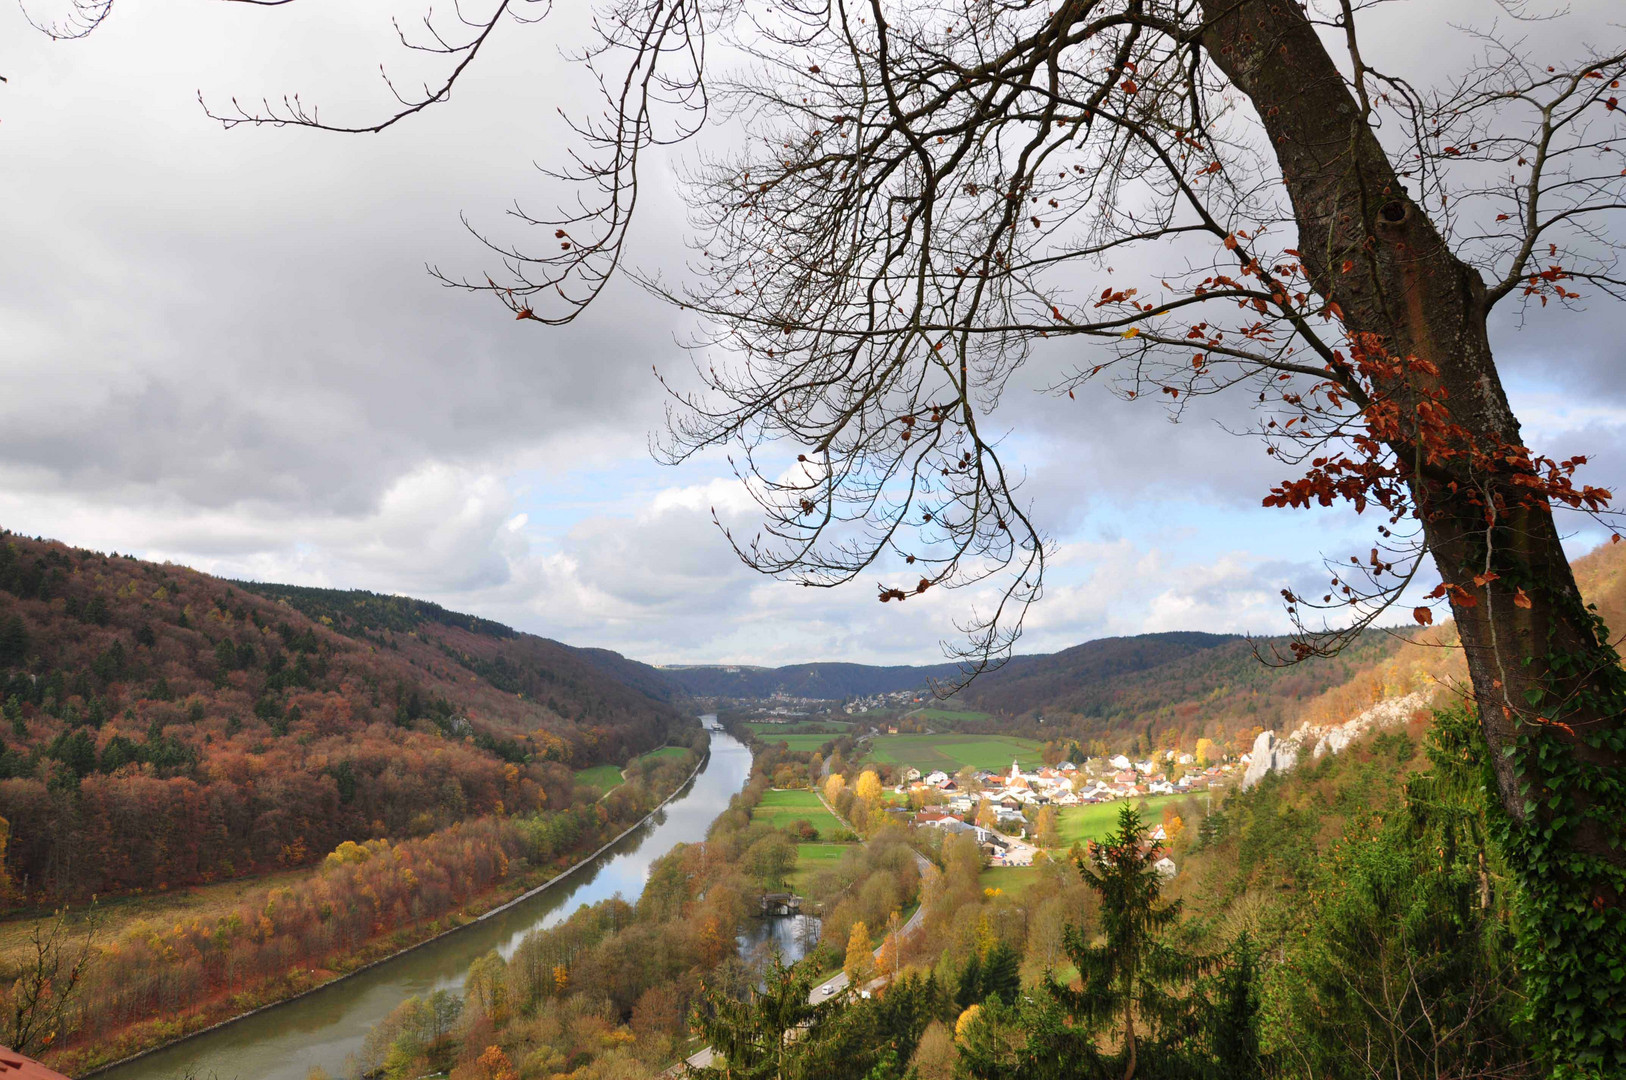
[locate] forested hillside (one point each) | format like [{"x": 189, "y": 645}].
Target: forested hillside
[
  {"x": 824, "y": 681},
  {"x": 164, "y": 727},
  {"x": 1165, "y": 689}
]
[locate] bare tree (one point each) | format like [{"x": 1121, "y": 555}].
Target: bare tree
[
  {"x": 923, "y": 187},
  {"x": 42, "y": 1004}
]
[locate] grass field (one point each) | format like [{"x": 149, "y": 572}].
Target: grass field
[
  {"x": 1081, "y": 823},
  {"x": 780, "y": 808},
  {"x": 603, "y": 777},
  {"x": 949, "y": 716},
  {"x": 951, "y": 753},
  {"x": 663, "y": 752},
  {"x": 798, "y": 743},
  {"x": 811, "y": 858},
  {"x": 1012, "y": 879},
  {"x": 761, "y": 727},
  {"x": 159, "y": 909}
]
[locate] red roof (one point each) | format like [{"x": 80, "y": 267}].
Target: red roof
[{"x": 14, "y": 1066}]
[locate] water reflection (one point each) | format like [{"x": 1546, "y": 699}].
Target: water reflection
[
  {"x": 321, "y": 1029},
  {"x": 793, "y": 936}
]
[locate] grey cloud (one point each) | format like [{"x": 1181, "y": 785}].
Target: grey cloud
[{"x": 224, "y": 348}]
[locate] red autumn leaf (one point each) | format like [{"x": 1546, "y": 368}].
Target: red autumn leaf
[
  {"x": 1520, "y": 600},
  {"x": 1230, "y": 242},
  {"x": 524, "y": 313},
  {"x": 1129, "y": 87},
  {"x": 1423, "y": 615}
]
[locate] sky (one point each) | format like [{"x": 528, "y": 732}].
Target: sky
[{"x": 223, "y": 349}]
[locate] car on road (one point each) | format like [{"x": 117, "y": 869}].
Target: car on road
[{"x": 827, "y": 991}]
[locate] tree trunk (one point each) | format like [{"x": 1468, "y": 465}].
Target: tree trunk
[
  {"x": 1129, "y": 1037},
  {"x": 1562, "y": 785}
]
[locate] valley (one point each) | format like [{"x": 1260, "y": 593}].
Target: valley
[{"x": 380, "y": 701}]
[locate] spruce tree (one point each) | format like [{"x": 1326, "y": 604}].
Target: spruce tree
[
  {"x": 1233, "y": 1017},
  {"x": 13, "y": 641},
  {"x": 1134, "y": 981},
  {"x": 751, "y": 1038}
]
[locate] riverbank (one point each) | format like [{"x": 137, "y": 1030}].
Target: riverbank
[
  {"x": 328, "y": 1029},
  {"x": 146, "y": 1038}
]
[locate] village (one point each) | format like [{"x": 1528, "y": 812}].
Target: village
[{"x": 999, "y": 809}]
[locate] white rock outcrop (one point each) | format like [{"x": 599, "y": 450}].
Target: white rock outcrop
[
  {"x": 1269, "y": 755},
  {"x": 1272, "y": 754}
]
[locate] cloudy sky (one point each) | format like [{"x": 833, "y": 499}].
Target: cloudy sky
[{"x": 222, "y": 348}]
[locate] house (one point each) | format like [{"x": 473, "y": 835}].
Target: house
[
  {"x": 933, "y": 817},
  {"x": 1119, "y": 762},
  {"x": 1165, "y": 868},
  {"x": 955, "y": 826},
  {"x": 911, "y": 775},
  {"x": 937, "y": 778}
]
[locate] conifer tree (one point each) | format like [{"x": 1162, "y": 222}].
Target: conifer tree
[
  {"x": 1133, "y": 980},
  {"x": 13, "y": 641},
  {"x": 750, "y": 1038},
  {"x": 969, "y": 991},
  {"x": 1234, "y": 1016}
]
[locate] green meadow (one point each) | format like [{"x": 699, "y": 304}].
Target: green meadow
[
  {"x": 780, "y": 808},
  {"x": 1083, "y": 823},
  {"x": 812, "y": 858},
  {"x": 798, "y": 743},
  {"x": 951, "y": 753},
  {"x": 1012, "y": 880},
  {"x": 603, "y": 777}
]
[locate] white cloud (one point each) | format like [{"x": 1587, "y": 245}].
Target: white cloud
[{"x": 222, "y": 348}]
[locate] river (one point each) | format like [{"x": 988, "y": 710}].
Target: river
[{"x": 320, "y": 1029}]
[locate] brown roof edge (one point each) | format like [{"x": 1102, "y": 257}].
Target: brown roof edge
[{"x": 15, "y": 1066}]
